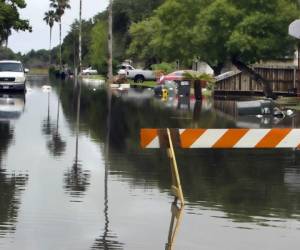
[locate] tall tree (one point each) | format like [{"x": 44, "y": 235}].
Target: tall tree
[
  {"x": 10, "y": 19},
  {"x": 60, "y": 6},
  {"x": 99, "y": 46},
  {"x": 50, "y": 17},
  {"x": 245, "y": 32}
]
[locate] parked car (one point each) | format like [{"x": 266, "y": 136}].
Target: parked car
[
  {"x": 12, "y": 75},
  {"x": 175, "y": 76},
  {"x": 138, "y": 75},
  {"x": 89, "y": 71}
]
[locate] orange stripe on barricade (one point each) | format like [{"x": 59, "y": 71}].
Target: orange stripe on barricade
[
  {"x": 273, "y": 138},
  {"x": 189, "y": 136},
  {"x": 147, "y": 136},
  {"x": 230, "y": 138}
]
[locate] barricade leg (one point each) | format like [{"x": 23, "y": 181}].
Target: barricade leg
[
  {"x": 177, "y": 213},
  {"x": 176, "y": 184}
]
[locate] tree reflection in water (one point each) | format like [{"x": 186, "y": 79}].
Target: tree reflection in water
[
  {"x": 242, "y": 184},
  {"x": 108, "y": 241},
  {"x": 47, "y": 125},
  {"x": 76, "y": 179},
  {"x": 56, "y": 144},
  {"x": 11, "y": 184}
]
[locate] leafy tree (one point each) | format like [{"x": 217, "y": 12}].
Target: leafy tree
[
  {"x": 50, "y": 18},
  {"x": 143, "y": 46},
  {"x": 10, "y": 19},
  {"x": 125, "y": 13},
  {"x": 245, "y": 32},
  {"x": 36, "y": 59},
  {"x": 6, "y": 53},
  {"x": 71, "y": 43},
  {"x": 98, "y": 48},
  {"x": 168, "y": 33}
]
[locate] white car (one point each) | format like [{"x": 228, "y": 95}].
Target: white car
[
  {"x": 89, "y": 71},
  {"x": 138, "y": 75},
  {"x": 12, "y": 75}
]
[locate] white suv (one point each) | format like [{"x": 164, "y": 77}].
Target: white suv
[{"x": 12, "y": 75}]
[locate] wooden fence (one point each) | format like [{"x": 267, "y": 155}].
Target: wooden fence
[{"x": 284, "y": 81}]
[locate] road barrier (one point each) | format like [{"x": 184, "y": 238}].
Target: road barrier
[
  {"x": 216, "y": 139},
  {"x": 223, "y": 138}
]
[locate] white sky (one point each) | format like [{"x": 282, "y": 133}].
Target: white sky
[{"x": 39, "y": 38}]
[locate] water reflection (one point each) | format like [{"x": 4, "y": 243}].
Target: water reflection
[
  {"x": 244, "y": 184},
  {"x": 108, "y": 240},
  {"x": 11, "y": 184},
  {"x": 47, "y": 125},
  {"x": 197, "y": 110},
  {"x": 184, "y": 102},
  {"x": 11, "y": 187},
  {"x": 176, "y": 219},
  {"x": 76, "y": 179},
  {"x": 11, "y": 106},
  {"x": 228, "y": 110},
  {"x": 55, "y": 144}
]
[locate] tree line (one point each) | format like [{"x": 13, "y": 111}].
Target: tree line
[
  {"x": 95, "y": 34},
  {"x": 215, "y": 31},
  {"x": 154, "y": 31}
]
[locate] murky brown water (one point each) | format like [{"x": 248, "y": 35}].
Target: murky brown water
[{"x": 52, "y": 198}]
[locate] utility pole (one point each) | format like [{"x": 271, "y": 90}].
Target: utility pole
[
  {"x": 110, "y": 43},
  {"x": 80, "y": 37}
]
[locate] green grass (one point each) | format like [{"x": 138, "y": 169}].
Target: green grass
[
  {"x": 290, "y": 101},
  {"x": 38, "y": 71},
  {"x": 149, "y": 84},
  {"x": 297, "y": 107},
  {"x": 94, "y": 77}
]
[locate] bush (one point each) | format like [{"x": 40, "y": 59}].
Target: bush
[{"x": 53, "y": 70}]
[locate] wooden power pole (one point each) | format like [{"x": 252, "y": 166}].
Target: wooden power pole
[
  {"x": 110, "y": 43},
  {"x": 80, "y": 37}
]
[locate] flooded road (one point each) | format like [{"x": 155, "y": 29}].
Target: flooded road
[{"x": 107, "y": 193}]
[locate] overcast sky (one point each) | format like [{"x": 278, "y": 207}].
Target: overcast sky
[{"x": 39, "y": 38}]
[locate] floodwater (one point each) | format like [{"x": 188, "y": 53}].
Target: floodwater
[{"x": 69, "y": 182}]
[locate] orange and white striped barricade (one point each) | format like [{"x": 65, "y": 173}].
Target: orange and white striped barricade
[
  {"x": 274, "y": 138},
  {"x": 224, "y": 138}
]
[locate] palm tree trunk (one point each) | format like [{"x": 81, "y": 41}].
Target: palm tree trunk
[
  {"x": 80, "y": 37},
  {"x": 50, "y": 47},
  {"x": 110, "y": 42},
  {"x": 60, "y": 54}
]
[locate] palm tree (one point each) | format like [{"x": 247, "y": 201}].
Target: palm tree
[
  {"x": 50, "y": 18},
  {"x": 60, "y": 6}
]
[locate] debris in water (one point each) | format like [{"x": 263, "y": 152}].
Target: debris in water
[
  {"x": 289, "y": 112},
  {"x": 46, "y": 88}
]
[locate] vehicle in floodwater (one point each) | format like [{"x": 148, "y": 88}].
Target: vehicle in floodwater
[{"x": 12, "y": 75}]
